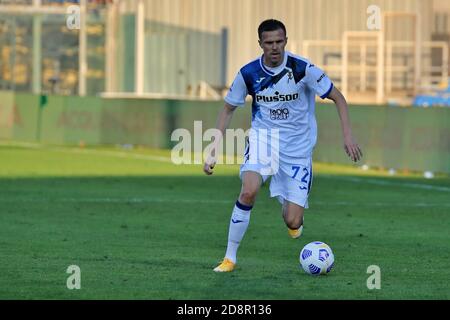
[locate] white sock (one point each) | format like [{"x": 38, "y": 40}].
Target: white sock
[{"x": 238, "y": 225}]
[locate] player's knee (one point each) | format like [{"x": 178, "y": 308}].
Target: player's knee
[{"x": 247, "y": 197}]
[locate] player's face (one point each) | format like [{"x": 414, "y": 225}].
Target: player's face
[{"x": 273, "y": 44}]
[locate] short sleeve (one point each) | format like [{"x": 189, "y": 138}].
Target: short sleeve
[
  {"x": 238, "y": 91},
  {"x": 318, "y": 81}
]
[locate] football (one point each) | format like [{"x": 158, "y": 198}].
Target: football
[{"x": 316, "y": 258}]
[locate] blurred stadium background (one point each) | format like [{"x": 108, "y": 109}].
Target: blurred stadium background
[
  {"x": 86, "y": 116},
  {"x": 174, "y": 47},
  {"x": 88, "y": 84}
]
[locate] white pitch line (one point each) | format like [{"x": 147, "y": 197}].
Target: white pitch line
[
  {"x": 169, "y": 160},
  {"x": 212, "y": 201},
  {"x": 119, "y": 154},
  {"x": 383, "y": 204},
  {"x": 21, "y": 144},
  {"x": 389, "y": 183},
  {"x": 112, "y": 200}
]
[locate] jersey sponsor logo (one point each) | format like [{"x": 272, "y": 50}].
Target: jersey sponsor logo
[
  {"x": 279, "y": 114},
  {"x": 277, "y": 97}
]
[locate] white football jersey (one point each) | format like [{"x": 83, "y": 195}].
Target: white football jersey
[{"x": 283, "y": 99}]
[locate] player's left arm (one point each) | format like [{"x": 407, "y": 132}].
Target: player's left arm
[{"x": 351, "y": 147}]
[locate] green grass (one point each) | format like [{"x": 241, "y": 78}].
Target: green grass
[{"x": 142, "y": 228}]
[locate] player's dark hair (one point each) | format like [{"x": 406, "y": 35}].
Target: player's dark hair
[{"x": 270, "y": 25}]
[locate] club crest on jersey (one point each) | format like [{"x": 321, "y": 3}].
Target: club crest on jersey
[
  {"x": 290, "y": 76},
  {"x": 277, "y": 97}
]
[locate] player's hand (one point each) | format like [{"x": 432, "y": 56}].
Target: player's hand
[
  {"x": 352, "y": 149},
  {"x": 209, "y": 166}
]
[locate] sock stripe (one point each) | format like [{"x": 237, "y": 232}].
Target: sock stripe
[{"x": 243, "y": 206}]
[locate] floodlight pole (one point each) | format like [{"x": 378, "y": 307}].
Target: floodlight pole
[
  {"x": 111, "y": 48},
  {"x": 140, "y": 40},
  {"x": 380, "y": 67},
  {"x": 82, "y": 54},
  {"x": 37, "y": 50},
  {"x": 344, "y": 70},
  {"x": 417, "y": 54}
]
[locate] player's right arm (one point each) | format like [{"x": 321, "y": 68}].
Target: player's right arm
[
  {"x": 223, "y": 121},
  {"x": 235, "y": 97}
]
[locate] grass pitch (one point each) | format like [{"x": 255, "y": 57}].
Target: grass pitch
[{"x": 140, "y": 227}]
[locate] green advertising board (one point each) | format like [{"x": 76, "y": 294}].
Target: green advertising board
[{"x": 391, "y": 137}]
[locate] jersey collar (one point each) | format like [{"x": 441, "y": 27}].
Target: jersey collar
[{"x": 281, "y": 67}]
